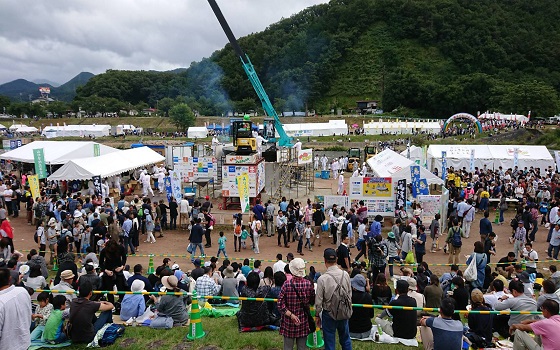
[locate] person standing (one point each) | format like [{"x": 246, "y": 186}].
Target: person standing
[
  {"x": 454, "y": 241},
  {"x": 340, "y": 183},
  {"x": 184, "y": 210},
  {"x": 318, "y": 218},
  {"x": 343, "y": 254},
  {"x": 269, "y": 216},
  {"x": 295, "y": 297},
  {"x": 334, "y": 318},
  {"x": 520, "y": 237},
  {"x": 281, "y": 224},
  {"x": 173, "y": 213},
  {"x": 15, "y": 314},
  {"x": 195, "y": 238}
]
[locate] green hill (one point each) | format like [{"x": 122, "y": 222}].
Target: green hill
[{"x": 418, "y": 57}]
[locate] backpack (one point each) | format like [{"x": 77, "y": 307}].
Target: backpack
[
  {"x": 237, "y": 229},
  {"x": 344, "y": 229},
  {"x": 340, "y": 302},
  {"x": 141, "y": 212},
  {"x": 456, "y": 238},
  {"x": 111, "y": 334},
  {"x": 544, "y": 208}
]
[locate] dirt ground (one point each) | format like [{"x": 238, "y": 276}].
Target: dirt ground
[{"x": 175, "y": 242}]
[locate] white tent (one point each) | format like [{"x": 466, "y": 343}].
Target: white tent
[
  {"x": 416, "y": 154},
  {"x": 76, "y": 131},
  {"x": 56, "y": 152},
  {"x": 26, "y": 129},
  {"x": 14, "y": 127},
  {"x": 337, "y": 127},
  {"x": 493, "y": 156},
  {"x": 198, "y": 132},
  {"x": 127, "y": 127},
  {"x": 107, "y": 165},
  {"x": 2, "y": 127},
  {"x": 509, "y": 117},
  {"x": 405, "y": 128},
  {"x": 391, "y": 164}
]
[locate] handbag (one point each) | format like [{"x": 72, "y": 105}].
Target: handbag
[
  {"x": 471, "y": 273},
  {"x": 409, "y": 259},
  {"x": 312, "y": 327},
  {"x": 162, "y": 322},
  {"x": 190, "y": 248}
]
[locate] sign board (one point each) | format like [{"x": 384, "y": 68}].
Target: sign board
[
  {"x": 444, "y": 166},
  {"x": 305, "y": 156},
  {"x": 34, "y": 185},
  {"x": 6, "y": 144},
  {"x": 40, "y": 166},
  {"x": 340, "y": 201},
  {"x": 371, "y": 187},
  {"x": 431, "y": 205},
  {"x": 377, "y": 206},
  {"x": 240, "y": 159},
  {"x": 175, "y": 179},
  {"x": 256, "y": 179},
  {"x": 15, "y": 144},
  {"x": 96, "y": 150},
  {"x": 191, "y": 168}
]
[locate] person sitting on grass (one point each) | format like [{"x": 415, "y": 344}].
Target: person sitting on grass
[
  {"x": 404, "y": 321},
  {"x": 54, "y": 328},
  {"x": 443, "y": 332},
  {"x": 546, "y": 330},
  {"x": 85, "y": 324},
  {"x": 41, "y": 315},
  {"x": 172, "y": 305},
  {"x": 254, "y": 313},
  {"x": 133, "y": 305}
]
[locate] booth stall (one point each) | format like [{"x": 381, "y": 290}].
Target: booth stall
[
  {"x": 491, "y": 156},
  {"x": 57, "y": 152}
]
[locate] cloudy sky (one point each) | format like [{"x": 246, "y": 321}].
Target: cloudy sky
[{"x": 56, "y": 40}]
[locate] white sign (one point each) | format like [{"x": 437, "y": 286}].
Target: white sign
[
  {"x": 230, "y": 173},
  {"x": 305, "y": 156},
  {"x": 340, "y": 201},
  {"x": 240, "y": 159},
  {"x": 192, "y": 168},
  {"x": 377, "y": 206},
  {"x": 431, "y": 205}
]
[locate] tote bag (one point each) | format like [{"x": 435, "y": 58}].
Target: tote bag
[{"x": 471, "y": 273}]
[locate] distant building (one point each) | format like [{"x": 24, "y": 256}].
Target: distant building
[{"x": 364, "y": 107}]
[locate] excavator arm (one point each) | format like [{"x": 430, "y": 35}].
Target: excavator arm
[{"x": 284, "y": 140}]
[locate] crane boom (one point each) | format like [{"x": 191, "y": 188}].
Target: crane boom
[{"x": 284, "y": 140}]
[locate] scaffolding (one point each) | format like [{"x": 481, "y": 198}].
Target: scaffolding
[{"x": 294, "y": 180}]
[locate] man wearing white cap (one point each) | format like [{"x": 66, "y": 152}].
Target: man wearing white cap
[
  {"x": 133, "y": 305},
  {"x": 340, "y": 183}
]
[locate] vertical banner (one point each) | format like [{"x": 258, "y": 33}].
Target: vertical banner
[
  {"x": 414, "y": 178},
  {"x": 472, "y": 159},
  {"x": 401, "y": 194},
  {"x": 96, "y": 150},
  {"x": 175, "y": 180},
  {"x": 425, "y": 156},
  {"x": 40, "y": 166},
  {"x": 444, "y": 166},
  {"x": 243, "y": 188},
  {"x": 557, "y": 156},
  {"x": 168, "y": 189},
  {"x": 97, "y": 184},
  {"x": 515, "y": 156},
  {"x": 422, "y": 187},
  {"x": 34, "y": 185}
]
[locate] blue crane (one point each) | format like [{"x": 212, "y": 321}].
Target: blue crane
[{"x": 284, "y": 140}]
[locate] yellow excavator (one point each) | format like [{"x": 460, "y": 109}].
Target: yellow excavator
[
  {"x": 354, "y": 155},
  {"x": 369, "y": 151}
]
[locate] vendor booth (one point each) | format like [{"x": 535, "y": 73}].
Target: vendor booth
[
  {"x": 107, "y": 165},
  {"x": 391, "y": 164},
  {"x": 493, "y": 156}
]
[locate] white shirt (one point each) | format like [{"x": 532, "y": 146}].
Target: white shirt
[
  {"x": 361, "y": 231},
  {"x": 184, "y": 206},
  {"x": 340, "y": 180},
  {"x": 15, "y": 319},
  {"x": 8, "y": 195},
  {"x": 278, "y": 266},
  {"x": 297, "y": 146},
  {"x": 533, "y": 255},
  {"x": 492, "y": 299},
  {"x": 554, "y": 215}
]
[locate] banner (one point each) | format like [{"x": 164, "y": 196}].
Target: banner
[
  {"x": 472, "y": 159},
  {"x": 515, "y": 156},
  {"x": 34, "y": 186},
  {"x": 176, "y": 184},
  {"x": 243, "y": 188},
  {"x": 40, "y": 166},
  {"x": 168, "y": 190},
  {"x": 415, "y": 179},
  {"x": 425, "y": 156},
  {"x": 305, "y": 156},
  {"x": 431, "y": 205},
  {"x": 557, "y": 156},
  {"x": 401, "y": 194},
  {"x": 444, "y": 166},
  {"x": 97, "y": 184},
  {"x": 96, "y": 150},
  {"x": 377, "y": 187},
  {"x": 422, "y": 187},
  {"x": 340, "y": 201}
]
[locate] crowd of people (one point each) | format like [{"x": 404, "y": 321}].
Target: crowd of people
[{"x": 90, "y": 240}]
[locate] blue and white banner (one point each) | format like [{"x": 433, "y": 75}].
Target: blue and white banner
[
  {"x": 423, "y": 188},
  {"x": 472, "y": 159},
  {"x": 168, "y": 189},
  {"x": 176, "y": 184},
  {"x": 515, "y": 156},
  {"x": 444, "y": 166},
  {"x": 414, "y": 178}
]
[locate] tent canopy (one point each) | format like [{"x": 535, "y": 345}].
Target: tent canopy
[
  {"x": 391, "y": 164},
  {"x": 199, "y": 132},
  {"x": 56, "y": 152},
  {"x": 77, "y": 130},
  {"x": 338, "y": 127},
  {"x": 415, "y": 153},
  {"x": 26, "y": 129},
  {"x": 493, "y": 156},
  {"x": 107, "y": 165}
]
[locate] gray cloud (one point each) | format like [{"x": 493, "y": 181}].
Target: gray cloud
[{"x": 56, "y": 40}]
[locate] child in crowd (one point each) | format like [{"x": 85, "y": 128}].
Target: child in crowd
[
  {"x": 85, "y": 244},
  {"x": 41, "y": 315},
  {"x": 222, "y": 245},
  {"x": 308, "y": 232},
  {"x": 54, "y": 328},
  {"x": 244, "y": 235}
]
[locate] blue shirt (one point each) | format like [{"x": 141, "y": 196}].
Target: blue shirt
[
  {"x": 421, "y": 248},
  {"x": 133, "y": 305},
  {"x": 448, "y": 333},
  {"x": 222, "y": 242},
  {"x": 126, "y": 227},
  {"x": 245, "y": 270},
  {"x": 375, "y": 229},
  {"x": 283, "y": 206}
]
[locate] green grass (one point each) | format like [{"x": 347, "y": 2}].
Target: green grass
[{"x": 221, "y": 334}]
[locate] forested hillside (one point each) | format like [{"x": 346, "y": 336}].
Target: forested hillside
[{"x": 421, "y": 57}]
